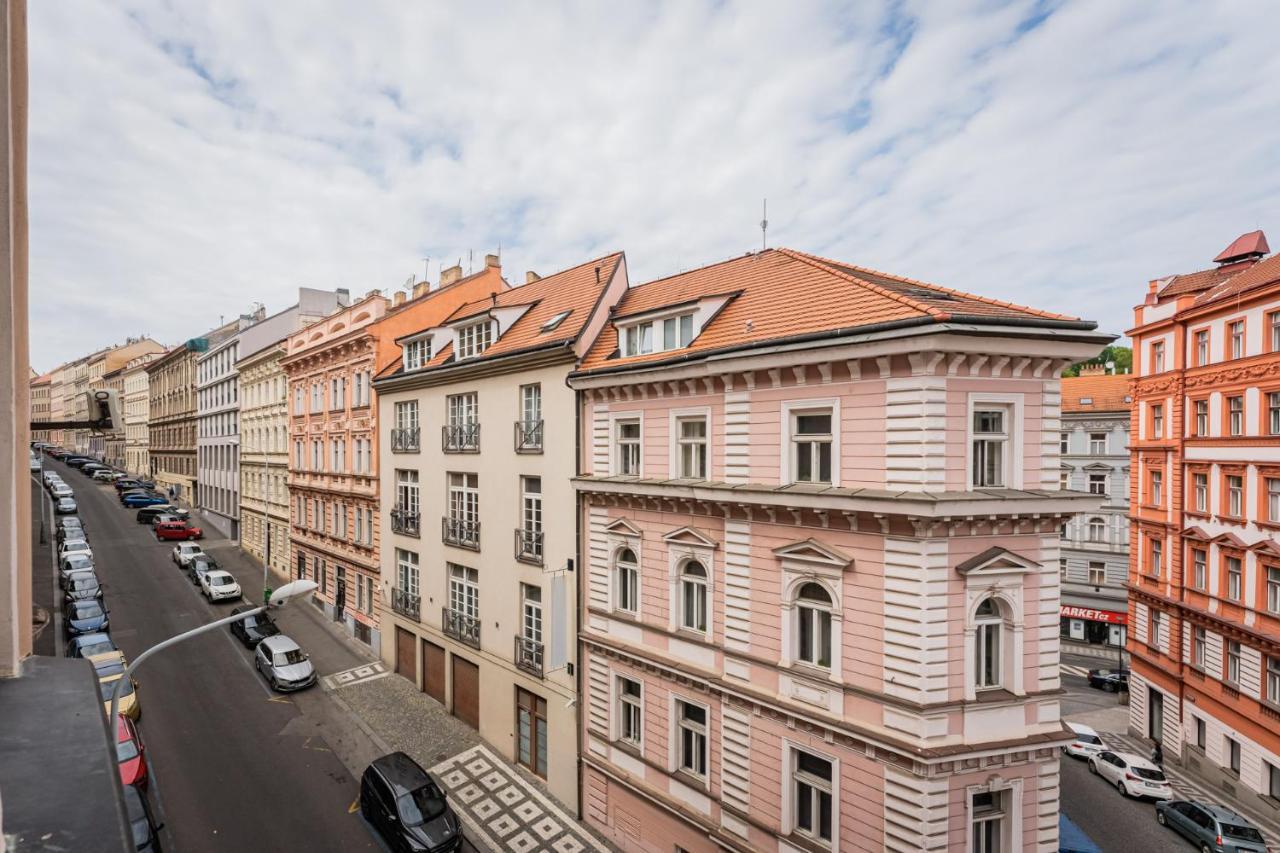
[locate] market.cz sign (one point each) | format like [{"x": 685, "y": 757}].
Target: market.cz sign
[{"x": 1073, "y": 612}]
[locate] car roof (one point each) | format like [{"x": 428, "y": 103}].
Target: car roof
[
  {"x": 1223, "y": 813},
  {"x": 218, "y": 573},
  {"x": 401, "y": 772},
  {"x": 280, "y": 643},
  {"x": 105, "y": 658},
  {"x": 81, "y": 573},
  {"x": 1137, "y": 760},
  {"x": 1081, "y": 728},
  {"x": 75, "y": 605},
  {"x": 91, "y": 639}
]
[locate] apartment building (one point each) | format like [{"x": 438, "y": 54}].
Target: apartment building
[
  {"x": 820, "y": 526},
  {"x": 39, "y": 405},
  {"x": 98, "y": 367},
  {"x": 113, "y": 442},
  {"x": 483, "y": 593},
  {"x": 263, "y": 493},
  {"x": 58, "y": 378},
  {"x": 333, "y": 430},
  {"x": 75, "y": 404},
  {"x": 135, "y": 405},
  {"x": 1204, "y": 555},
  {"x": 1096, "y": 408}
]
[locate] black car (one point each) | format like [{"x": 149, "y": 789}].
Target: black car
[
  {"x": 82, "y": 586},
  {"x": 404, "y": 805},
  {"x": 84, "y": 617},
  {"x": 147, "y": 513},
  {"x": 252, "y": 629},
  {"x": 1113, "y": 680},
  {"x": 124, "y": 484},
  {"x": 198, "y": 565},
  {"x": 88, "y": 645},
  {"x": 78, "y": 461},
  {"x": 146, "y": 832}
]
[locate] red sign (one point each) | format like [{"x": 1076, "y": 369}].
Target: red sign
[{"x": 1073, "y": 612}]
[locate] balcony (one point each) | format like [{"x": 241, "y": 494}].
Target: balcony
[
  {"x": 405, "y": 440},
  {"x": 406, "y": 523},
  {"x": 460, "y": 532},
  {"x": 528, "y": 436},
  {"x": 529, "y": 546},
  {"x": 461, "y": 627},
  {"x": 406, "y": 604},
  {"x": 460, "y": 438},
  {"x": 529, "y": 656}
]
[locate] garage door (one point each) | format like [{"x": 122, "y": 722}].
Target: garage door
[
  {"x": 433, "y": 671},
  {"x": 406, "y": 662},
  {"x": 466, "y": 691}
]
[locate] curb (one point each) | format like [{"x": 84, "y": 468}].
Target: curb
[{"x": 360, "y": 723}]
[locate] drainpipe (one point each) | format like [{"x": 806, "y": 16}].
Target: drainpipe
[{"x": 578, "y": 588}]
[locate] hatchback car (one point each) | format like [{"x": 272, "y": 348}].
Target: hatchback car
[
  {"x": 75, "y": 546},
  {"x": 62, "y": 490},
  {"x": 1211, "y": 827},
  {"x": 1113, "y": 680},
  {"x": 70, "y": 527},
  {"x": 147, "y": 514},
  {"x": 253, "y": 629},
  {"x": 66, "y": 506},
  {"x": 219, "y": 585},
  {"x": 135, "y": 500},
  {"x": 88, "y": 645},
  {"x": 73, "y": 563},
  {"x": 170, "y": 530},
  {"x": 84, "y": 617},
  {"x": 129, "y": 705},
  {"x": 130, "y": 753},
  {"x": 142, "y": 824},
  {"x": 1133, "y": 775},
  {"x": 182, "y": 554},
  {"x": 105, "y": 475},
  {"x": 82, "y": 586},
  {"x": 402, "y": 803},
  {"x": 284, "y": 664},
  {"x": 199, "y": 566},
  {"x": 1086, "y": 741}
]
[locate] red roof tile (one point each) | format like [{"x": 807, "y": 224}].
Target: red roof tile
[
  {"x": 1194, "y": 282},
  {"x": 1105, "y": 393},
  {"x": 1262, "y": 273},
  {"x": 1253, "y": 243}
]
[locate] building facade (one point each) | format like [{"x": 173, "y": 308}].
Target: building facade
[
  {"x": 98, "y": 367},
  {"x": 820, "y": 538},
  {"x": 136, "y": 406},
  {"x": 114, "y": 441},
  {"x": 1204, "y": 551},
  {"x": 58, "y": 394},
  {"x": 40, "y": 390},
  {"x": 1095, "y": 547},
  {"x": 477, "y": 430}
]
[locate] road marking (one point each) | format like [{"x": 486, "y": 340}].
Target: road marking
[
  {"x": 356, "y": 675},
  {"x": 354, "y": 807},
  {"x": 306, "y": 744},
  {"x": 284, "y": 699}
]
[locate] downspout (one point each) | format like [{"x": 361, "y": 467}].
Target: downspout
[{"x": 578, "y": 587}]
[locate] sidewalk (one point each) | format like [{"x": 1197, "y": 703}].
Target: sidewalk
[{"x": 1088, "y": 650}]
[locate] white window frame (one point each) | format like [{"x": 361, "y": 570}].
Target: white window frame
[
  {"x": 788, "y": 410},
  {"x": 1009, "y": 814},
  {"x": 531, "y": 621},
  {"x": 696, "y": 593},
  {"x": 1200, "y": 490},
  {"x": 1234, "y": 654},
  {"x": 1235, "y": 335},
  {"x": 463, "y": 589},
  {"x": 984, "y": 627},
  {"x": 703, "y": 731},
  {"x": 627, "y": 707},
  {"x": 1013, "y": 461},
  {"x": 676, "y": 417},
  {"x": 417, "y": 352},
  {"x": 406, "y": 414},
  {"x": 473, "y": 339},
  {"x": 818, "y": 787},
  {"x": 615, "y": 446},
  {"x": 616, "y": 579},
  {"x": 1097, "y": 444},
  {"x": 408, "y": 571},
  {"x": 813, "y": 612}
]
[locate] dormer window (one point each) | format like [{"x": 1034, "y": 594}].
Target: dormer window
[
  {"x": 658, "y": 335},
  {"x": 555, "y": 321},
  {"x": 473, "y": 340},
  {"x": 416, "y": 354}
]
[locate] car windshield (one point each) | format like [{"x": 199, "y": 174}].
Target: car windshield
[
  {"x": 97, "y": 648},
  {"x": 290, "y": 657},
  {"x": 220, "y": 580},
  {"x": 87, "y": 610},
  {"x": 76, "y": 561},
  {"x": 84, "y": 583},
  {"x": 1244, "y": 833},
  {"x": 108, "y": 686},
  {"x": 420, "y": 806},
  {"x": 108, "y": 668},
  {"x": 1093, "y": 739},
  {"x": 126, "y": 750},
  {"x": 1153, "y": 775}
]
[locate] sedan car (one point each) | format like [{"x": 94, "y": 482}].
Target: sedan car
[
  {"x": 70, "y": 527},
  {"x": 148, "y": 513},
  {"x": 199, "y": 565},
  {"x": 74, "y": 546},
  {"x": 105, "y": 475},
  {"x": 182, "y": 553},
  {"x": 1086, "y": 741},
  {"x": 170, "y": 530},
  {"x": 125, "y": 484},
  {"x": 1109, "y": 679},
  {"x": 284, "y": 664},
  {"x": 129, "y": 706},
  {"x": 81, "y": 586},
  {"x": 253, "y": 629},
  {"x": 405, "y": 806},
  {"x": 1210, "y": 827},
  {"x": 62, "y": 490},
  {"x": 142, "y": 824},
  {"x": 1132, "y": 775},
  {"x": 84, "y": 617},
  {"x": 135, "y": 500},
  {"x": 73, "y": 563},
  {"x": 65, "y": 506},
  {"x": 219, "y": 585},
  {"x": 130, "y": 753},
  {"x": 88, "y": 645}
]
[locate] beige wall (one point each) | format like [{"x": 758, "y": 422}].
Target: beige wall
[{"x": 264, "y": 458}]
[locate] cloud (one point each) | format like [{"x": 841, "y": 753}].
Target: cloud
[{"x": 188, "y": 159}]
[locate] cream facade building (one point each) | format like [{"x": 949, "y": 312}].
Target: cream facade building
[
  {"x": 135, "y": 405},
  {"x": 40, "y": 405},
  {"x": 113, "y": 442}
]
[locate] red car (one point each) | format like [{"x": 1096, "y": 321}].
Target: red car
[
  {"x": 130, "y": 753},
  {"x": 177, "y": 530}
]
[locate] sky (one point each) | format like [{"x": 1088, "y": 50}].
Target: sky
[{"x": 190, "y": 159}]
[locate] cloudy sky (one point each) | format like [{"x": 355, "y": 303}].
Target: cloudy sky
[{"x": 189, "y": 159}]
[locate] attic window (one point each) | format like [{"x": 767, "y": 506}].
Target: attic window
[
  {"x": 657, "y": 335},
  {"x": 473, "y": 340},
  {"x": 417, "y": 353},
  {"x": 555, "y": 321},
  {"x": 1086, "y": 401},
  {"x": 921, "y": 293}
]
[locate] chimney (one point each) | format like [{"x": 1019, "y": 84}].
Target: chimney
[
  {"x": 344, "y": 296},
  {"x": 1151, "y": 293},
  {"x": 419, "y": 289},
  {"x": 1093, "y": 370},
  {"x": 398, "y": 299},
  {"x": 492, "y": 261},
  {"x": 597, "y": 273},
  {"x": 373, "y": 293},
  {"x": 530, "y": 277},
  {"x": 450, "y": 275}
]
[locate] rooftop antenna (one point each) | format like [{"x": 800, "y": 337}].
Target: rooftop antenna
[
  {"x": 764, "y": 225},
  {"x": 471, "y": 255},
  {"x": 426, "y": 268}
]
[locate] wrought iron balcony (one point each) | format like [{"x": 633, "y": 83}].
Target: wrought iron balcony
[
  {"x": 529, "y": 436},
  {"x": 406, "y": 604},
  {"x": 408, "y": 523},
  {"x": 460, "y": 532},
  {"x": 405, "y": 440},
  {"x": 460, "y": 626},
  {"x": 460, "y": 438},
  {"x": 529, "y": 656},
  {"x": 529, "y": 545}
]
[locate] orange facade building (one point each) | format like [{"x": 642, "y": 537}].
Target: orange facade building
[
  {"x": 333, "y": 438},
  {"x": 1204, "y": 556}
]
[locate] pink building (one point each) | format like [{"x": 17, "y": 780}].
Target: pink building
[{"x": 821, "y": 513}]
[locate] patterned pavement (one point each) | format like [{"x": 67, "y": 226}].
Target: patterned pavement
[{"x": 355, "y": 675}]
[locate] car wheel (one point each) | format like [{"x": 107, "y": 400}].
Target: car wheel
[
  {"x": 1160, "y": 819},
  {"x": 1124, "y": 792},
  {"x": 1093, "y": 768},
  {"x": 1205, "y": 848}
]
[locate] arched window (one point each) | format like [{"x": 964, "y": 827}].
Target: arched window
[
  {"x": 989, "y": 663},
  {"x": 1097, "y": 529},
  {"x": 693, "y": 596},
  {"x": 627, "y": 583},
  {"x": 813, "y": 625}
]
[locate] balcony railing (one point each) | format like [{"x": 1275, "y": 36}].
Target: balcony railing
[
  {"x": 529, "y": 545},
  {"x": 408, "y": 523},
  {"x": 460, "y": 532},
  {"x": 460, "y": 626},
  {"x": 406, "y": 604},
  {"x": 405, "y": 440},
  {"x": 460, "y": 438},
  {"x": 528, "y": 436},
  {"x": 529, "y": 656}
]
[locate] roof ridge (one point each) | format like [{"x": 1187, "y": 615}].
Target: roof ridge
[
  {"x": 704, "y": 267},
  {"x": 825, "y": 265}
]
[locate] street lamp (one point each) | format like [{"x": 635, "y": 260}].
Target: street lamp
[{"x": 299, "y": 589}]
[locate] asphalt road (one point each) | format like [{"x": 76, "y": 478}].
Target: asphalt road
[
  {"x": 235, "y": 767},
  {"x": 1116, "y": 824}
]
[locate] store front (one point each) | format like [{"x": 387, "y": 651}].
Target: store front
[{"x": 1092, "y": 625}]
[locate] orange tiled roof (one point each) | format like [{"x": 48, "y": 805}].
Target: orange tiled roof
[
  {"x": 1194, "y": 282},
  {"x": 1107, "y": 393},
  {"x": 781, "y": 293},
  {"x": 1259, "y": 274}
]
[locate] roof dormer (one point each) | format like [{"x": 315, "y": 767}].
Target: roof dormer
[{"x": 665, "y": 329}]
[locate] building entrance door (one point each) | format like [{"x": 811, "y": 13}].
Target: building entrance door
[
  {"x": 339, "y": 592},
  {"x": 1155, "y": 715}
]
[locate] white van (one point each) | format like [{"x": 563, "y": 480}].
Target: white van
[{"x": 1086, "y": 744}]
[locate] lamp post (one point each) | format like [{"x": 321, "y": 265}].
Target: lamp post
[
  {"x": 282, "y": 596},
  {"x": 266, "y": 518}
]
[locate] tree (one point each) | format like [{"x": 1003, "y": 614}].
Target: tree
[{"x": 1122, "y": 356}]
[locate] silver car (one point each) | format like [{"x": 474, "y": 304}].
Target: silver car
[{"x": 284, "y": 664}]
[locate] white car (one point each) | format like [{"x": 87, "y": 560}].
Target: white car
[
  {"x": 105, "y": 476},
  {"x": 1086, "y": 744},
  {"x": 1132, "y": 775},
  {"x": 62, "y": 490},
  {"x": 184, "y": 551},
  {"x": 217, "y": 585},
  {"x": 74, "y": 546},
  {"x": 34, "y": 463}
]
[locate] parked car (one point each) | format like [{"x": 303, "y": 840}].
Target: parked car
[
  {"x": 65, "y": 578},
  {"x": 164, "y": 516},
  {"x": 130, "y": 753},
  {"x": 108, "y": 664},
  {"x": 88, "y": 645},
  {"x": 170, "y": 530},
  {"x": 127, "y": 483},
  {"x": 77, "y": 461},
  {"x": 219, "y": 585},
  {"x": 73, "y": 563},
  {"x": 62, "y": 490},
  {"x": 146, "y": 832},
  {"x": 65, "y": 506},
  {"x": 253, "y": 629},
  {"x": 1133, "y": 775},
  {"x": 81, "y": 586},
  {"x": 148, "y": 513},
  {"x": 1113, "y": 680},
  {"x": 284, "y": 664},
  {"x": 402, "y": 803},
  {"x": 1211, "y": 827},
  {"x": 198, "y": 566},
  {"x": 84, "y": 617},
  {"x": 183, "y": 552},
  {"x": 1087, "y": 742},
  {"x": 33, "y": 462},
  {"x": 69, "y": 527},
  {"x": 129, "y": 705},
  {"x": 50, "y": 477},
  {"x": 105, "y": 475},
  {"x": 74, "y": 546},
  {"x": 135, "y": 500}
]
